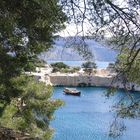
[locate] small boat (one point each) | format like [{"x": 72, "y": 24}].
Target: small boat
[{"x": 72, "y": 91}]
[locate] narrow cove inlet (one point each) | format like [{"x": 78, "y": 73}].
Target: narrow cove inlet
[{"x": 90, "y": 116}]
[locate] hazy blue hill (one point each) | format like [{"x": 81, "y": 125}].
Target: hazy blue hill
[{"x": 61, "y": 52}]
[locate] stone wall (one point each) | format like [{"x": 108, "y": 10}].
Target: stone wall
[
  {"x": 77, "y": 80},
  {"x": 85, "y": 80}
]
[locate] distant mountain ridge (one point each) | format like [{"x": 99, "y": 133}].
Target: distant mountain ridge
[{"x": 63, "y": 51}]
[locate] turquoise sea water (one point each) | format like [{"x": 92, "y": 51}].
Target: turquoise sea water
[{"x": 88, "y": 117}]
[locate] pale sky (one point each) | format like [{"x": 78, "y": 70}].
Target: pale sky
[{"x": 72, "y": 29}]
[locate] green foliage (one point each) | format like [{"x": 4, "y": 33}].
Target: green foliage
[
  {"x": 27, "y": 28},
  {"x": 70, "y": 70},
  {"x": 89, "y": 64},
  {"x": 58, "y": 66},
  {"x": 89, "y": 67},
  {"x": 30, "y": 66},
  {"x": 61, "y": 67},
  {"x": 111, "y": 91},
  {"x": 32, "y": 110},
  {"x": 76, "y": 68},
  {"x": 129, "y": 65}
]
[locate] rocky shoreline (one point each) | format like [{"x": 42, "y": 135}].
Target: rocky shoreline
[
  {"x": 10, "y": 134},
  {"x": 102, "y": 78}
]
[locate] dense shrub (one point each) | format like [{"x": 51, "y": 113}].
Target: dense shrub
[{"x": 59, "y": 66}]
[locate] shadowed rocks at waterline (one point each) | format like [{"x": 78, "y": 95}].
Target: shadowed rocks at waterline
[{"x": 9, "y": 134}]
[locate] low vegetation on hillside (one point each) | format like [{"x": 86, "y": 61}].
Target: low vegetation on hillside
[{"x": 63, "y": 68}]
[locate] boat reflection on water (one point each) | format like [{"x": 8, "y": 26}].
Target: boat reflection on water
[{"x": 72, "y": 91}]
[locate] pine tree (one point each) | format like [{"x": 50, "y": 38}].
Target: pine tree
[{"x": 27, "y": 28}]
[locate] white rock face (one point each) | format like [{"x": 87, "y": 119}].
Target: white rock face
[
  {"x": 102, "y": 77},
  {"x": 76, "y": 80}
]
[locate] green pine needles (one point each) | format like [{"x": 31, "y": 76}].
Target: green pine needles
[
  {"x": 32, "y": 110},
  {"x": 27, "y": 28}
]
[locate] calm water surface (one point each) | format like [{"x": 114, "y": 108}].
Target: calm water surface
[{"x": 88, "y": 117}]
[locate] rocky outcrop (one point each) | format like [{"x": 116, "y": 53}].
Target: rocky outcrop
[
  {"x": 76, "y": 80},
  {"x": 102, "y": 77},
  {"x": 9, "y": 134},
  {"x": 105, "y": 80}
]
